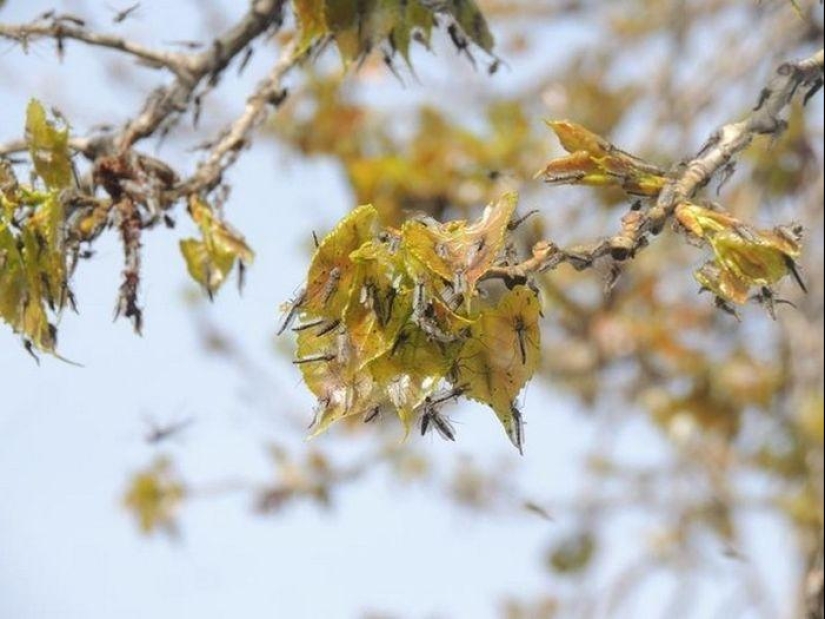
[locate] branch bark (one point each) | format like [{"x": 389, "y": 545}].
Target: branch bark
[
  {"x": 61, "y": 28},
  {"x": 717, "y": 155},
  {"x": 225, "y": 152},
  {"x": 190, "y": 69}
]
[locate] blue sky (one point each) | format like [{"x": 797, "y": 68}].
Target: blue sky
[{"x": 70, "y": 436}]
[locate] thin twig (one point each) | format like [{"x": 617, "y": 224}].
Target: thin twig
[
  {"x": 175, "y": 98},
  {"x": 60, "y": 30},
  {"x": 191, "y": 69},
  {"x": 789, "y": 82},
  {"x": 224, "y": 153}
]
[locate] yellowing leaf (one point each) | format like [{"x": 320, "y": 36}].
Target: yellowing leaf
[
  {"x": 379, "y": 306},
  {"x": 412, "y": 371},
  {"x": 33, "y": 271},
  {"x": 595, "y": 161},
  {"x": 210, "y": 260},
  {"x": 704, "y": 222},
  {"x": 49, "y": 147},
  {"x": 757, "y": 258},
  {"x": 502, "y": 354},
  {"x": 332, "y": 271},
  {"x": 462, "y": 254},
  {"x": 744, "y": 257},
  {"x": 154, "y": 496},
  {"x": 311, "y": 20},
  {"x": 722, "y": 283}
]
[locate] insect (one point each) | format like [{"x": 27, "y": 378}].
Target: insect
[
  {"x": 158, "y": 433},
  {"x": 122, "y": 15},
  {"x": 332, "y": 284},
  {"x": 516, "y": 432},
  {"x": 291, "y": 310},
  {"x": 432, "y": 418},
  {"x": 319, "y": 358},
  {"x": 372, "y": 415},
  {"x": 520, "y": 328},
  {"x": 309, "y": 325},
  {"x": 515, "y": 223},
  {"x": 452, "y": 394}
]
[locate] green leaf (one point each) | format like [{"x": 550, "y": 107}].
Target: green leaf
[
  {"x": 360, "y": 26},
  {"x": 471, "y": 20}
]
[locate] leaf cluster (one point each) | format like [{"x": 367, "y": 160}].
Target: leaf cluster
[
  {"x": 358, "y": 28},
  {"x": 35, "y": 262},
  {"x": 397, "y": 320}
]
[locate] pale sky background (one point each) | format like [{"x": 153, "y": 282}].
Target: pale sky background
[{"x": 69, "y": 437}]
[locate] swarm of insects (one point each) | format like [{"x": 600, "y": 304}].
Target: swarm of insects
[{"x": 395, "y": 320}]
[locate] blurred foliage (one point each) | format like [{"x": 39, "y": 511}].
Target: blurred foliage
[
  {"x": 629, "y": 342},
  {"x": 440, "y": 165},
  {"x": 154, "y": 496},
  {"x": 360, "y": 27}
]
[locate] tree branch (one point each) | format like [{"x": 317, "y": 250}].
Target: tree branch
[
  {"x": 687, "y": 180},
  {"x": 190, "y": 69},
  {"x": 234, "y": 138},
  {"x": 62, "y": 28},
  {"x": 176, "y": 97}
]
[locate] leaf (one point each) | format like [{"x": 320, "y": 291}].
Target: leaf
[
  {"x": 33, "y": 277},
  {"x": 703, "y": 222},
  {"x": 722, "y": 283},
  {"x": 47, "y": 224},
  {"x": 502, "y": 354},
  {"x": 49, "y": 147},
  {"x": 757, "y": 258},
  {"x": 331, "y": 370},
  {"x": 573, "y": 554},
  {"x": 12, "y": 279},
  {"x": 332, "y": 272},
  {"x": 413, "y": 370},
  {"x": 359, "y": 27},
  {"x": 460, "y": 254},
  {"x": 311, "y": 20},
  {"x": 380, "y": 304},
  {"x": 595, "y": 161},
  {"x": 744, "y": 257},
  {"x": 155, "y": 496},
  {"x": 210, "y": 260},
  {"x": 471, "y": 20}
]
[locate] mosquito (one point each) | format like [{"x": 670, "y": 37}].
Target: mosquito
[
  {"x": 319, "y": 358},
  {"x": 372, "y": 415},
  {"x": 331, "y": 286},
  {"x": 122, "y": 15},
  {"x": 157, "y": 433},
  {"x": 452, "y": 394},
  {"x": 432, "y": 418},
  {"x": 291, "y": 310},
  {"x": 521, "y": 328},
  {"x": 516, "y": 432}
]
